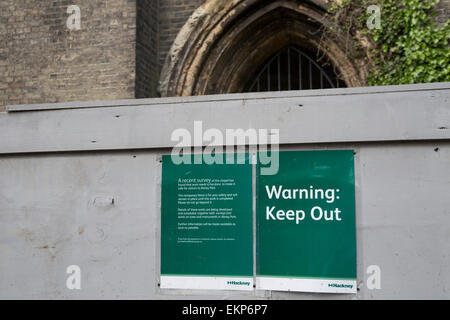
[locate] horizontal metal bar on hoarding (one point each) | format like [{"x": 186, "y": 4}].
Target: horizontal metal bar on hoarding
[
  {"x": 228, "y": 97},
  {"x": 397, "y": 113}
]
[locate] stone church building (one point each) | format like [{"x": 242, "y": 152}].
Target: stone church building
[{"x": 129, "y": 49}]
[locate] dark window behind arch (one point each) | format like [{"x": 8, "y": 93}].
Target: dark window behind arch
[{"x": 294, "y": 69}]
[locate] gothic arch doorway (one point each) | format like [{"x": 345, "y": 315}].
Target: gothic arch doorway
[
  {"x": 225, "y": 42},
  {"x": 294, "y": 69}
]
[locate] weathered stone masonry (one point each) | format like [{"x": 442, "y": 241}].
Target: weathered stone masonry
[{"x": 173, "y": 15}]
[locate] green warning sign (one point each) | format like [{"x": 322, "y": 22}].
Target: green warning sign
[{"x": 305, "y": 235}]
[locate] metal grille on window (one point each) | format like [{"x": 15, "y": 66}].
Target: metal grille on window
[{"x": 293, "y": 69}]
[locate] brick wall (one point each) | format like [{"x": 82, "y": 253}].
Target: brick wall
[
  {"x": 41, "y": 60},
  {"x": 173, "y": 15},
  {"x": 118, "y": 53},
  {"x": 147, "y": 45}
]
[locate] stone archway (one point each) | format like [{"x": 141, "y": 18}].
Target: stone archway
[{"x": 224, "y": 41}]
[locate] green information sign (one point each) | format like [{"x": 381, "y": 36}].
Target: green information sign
[
  {"x": 305, "y": 224},
  {"x": 206, "y": 226},
  {"x": 306, "y": 237}
]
